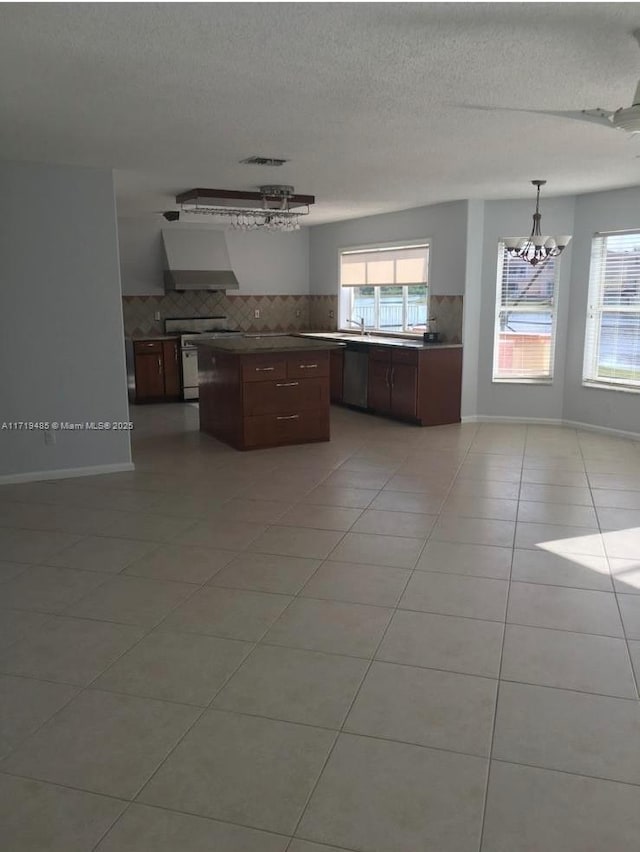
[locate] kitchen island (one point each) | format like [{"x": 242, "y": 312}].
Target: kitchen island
[{"x": 265, "y": 391}]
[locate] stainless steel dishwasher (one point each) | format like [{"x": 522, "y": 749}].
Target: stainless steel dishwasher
[{"x": 356, "y": 375}]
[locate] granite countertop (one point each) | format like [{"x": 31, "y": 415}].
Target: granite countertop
[
  {"x": 269, "y": 343},
  {"x": 377, "y": 340},
  {"x": 143, "y": 337}
]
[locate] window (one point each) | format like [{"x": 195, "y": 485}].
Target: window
[
  {"x": 612, "y": 339},
  {"x": 387, "y": 286},
  {"x": 525, "y": 324}
]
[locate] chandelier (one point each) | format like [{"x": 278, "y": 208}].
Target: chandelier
[
  {"x": 271, "y": 208},
  {"x": 536, "y": 247}
]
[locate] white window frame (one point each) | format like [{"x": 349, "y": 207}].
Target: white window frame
[
  {"x": 547, "y": 378},
  {"x": 345, "y": 303},
  {"x": 595, "y": 310}
]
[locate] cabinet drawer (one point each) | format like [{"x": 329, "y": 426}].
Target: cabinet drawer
[
  {"x": 380, "y": 353},
  {"x": 405, "y": 356},
  {"x": 295, "y": 428},
  {"x": 147, "y": 346},
  {"x": 285, "y": 397},
  {"x": 263, "y": 368},
  {"x": 307, "y": 366}
]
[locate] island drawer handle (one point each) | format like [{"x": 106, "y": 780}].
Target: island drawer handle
[
  {"x": 264, "y": 369},
  {"x": 307, "y": 366},
  {"x": 289, "y": 417},
  {"x": 287, "y": 384}
]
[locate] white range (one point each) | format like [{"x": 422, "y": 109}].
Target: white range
[{"x": 191, "y": 329}]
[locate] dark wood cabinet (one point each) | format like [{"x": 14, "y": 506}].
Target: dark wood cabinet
[
  {"x": 157, "y": 370},
  {"x": 273, "y": 430},
  {"x": 439, "y": 385},
  {"x": 308, "y": 367},
  {"x": 404, "y": 390},
  {"x": 262, "y": 368},
  {"x": 171, "y": 364},
  {"x": 288, "y": 395},
  {"x": 149, "y": 370},
  {"x": 379, "y": 390},
  {"x": 336, "y": 373},
  {"x": 264, "y": 399},
  {"x": 419, "y": 385},
  {"x": 393, "y": 382}
]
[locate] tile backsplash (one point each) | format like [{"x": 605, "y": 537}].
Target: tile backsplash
[
  {"x": 447, "y": 311},
  {"x": 277, "y": 313},
  {"x": 323, "y": 313}
]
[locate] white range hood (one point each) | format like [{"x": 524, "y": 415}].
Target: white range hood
[{"x": 197, "y": 259}]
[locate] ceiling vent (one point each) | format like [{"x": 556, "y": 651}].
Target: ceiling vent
[{"x": 264, "y": 161}]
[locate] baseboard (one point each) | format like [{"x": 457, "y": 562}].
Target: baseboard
[
  {"x": 606, "y": 430},
  {"x": 66, "y": 473},
  {"x": 549, "y": 421},
  {"x": 486, "y": 418}
]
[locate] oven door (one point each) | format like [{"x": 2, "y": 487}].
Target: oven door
[{"x": 190, "y": 373}]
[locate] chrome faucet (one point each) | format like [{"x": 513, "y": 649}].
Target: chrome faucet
[{"x": 359, "y": 323}]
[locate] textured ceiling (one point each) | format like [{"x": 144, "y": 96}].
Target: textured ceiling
[{"x": 365, "y": 99}]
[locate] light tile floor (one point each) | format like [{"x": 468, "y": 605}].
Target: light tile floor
[{"x": 404, "y": 640}]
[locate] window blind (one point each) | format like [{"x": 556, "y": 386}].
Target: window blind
[
  {"x": 384, "y": 267},
  {"x": 525, "y": 320},
  {"x": 612, "y": 338}
]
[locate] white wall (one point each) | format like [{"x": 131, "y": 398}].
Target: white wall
[
  {"x": 472, "y": 308},
  {"x": 513, "y": 218},
  {"x": 264, "y": 263},
  {"x": 602, "y": 211},
  {"x": 446, "y": 224},
  {"x": 62, "y": 343},
  {"x": 141, "y": 258}
]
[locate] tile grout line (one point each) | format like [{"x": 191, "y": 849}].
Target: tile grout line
[
  {"x": 51, "y": 615},
  {"x": 297, "y": 595},
  {"x": 262, "y": 643},
  {"x": 634, "y": 675},
  {"x": 203, "y": 710},
  {"x": 199, "y": 716},
  {"x": 128, "y": 802},
  {"x": 413, "y": 571},
  {"x": 499, "y": 678},
  {"x": 88, "y": 686},
  {"x": 362, "y": 681},
  {"x": 84, "y": 687},
  {"x": 293, "y": 598}
]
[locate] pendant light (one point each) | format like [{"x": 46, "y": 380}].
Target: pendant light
[{"x": 537, "y": 247}]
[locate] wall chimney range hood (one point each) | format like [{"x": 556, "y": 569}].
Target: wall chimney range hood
[{"x": 197, "y": 259}]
